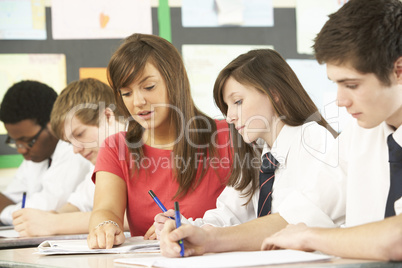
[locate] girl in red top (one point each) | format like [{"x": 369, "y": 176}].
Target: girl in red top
[{"x": 170, "y": 147}]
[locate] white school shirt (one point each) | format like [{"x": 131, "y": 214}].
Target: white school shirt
[
  {"x": 299, "y": 150},
  {"x": 367, "y": 174},
  {"x": 362, "y": 175},
  {"x": 47, "y": 188},
  {"x": 83, "y": 196}
]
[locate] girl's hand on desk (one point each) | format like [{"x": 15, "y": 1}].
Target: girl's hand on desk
[
  {"x": 105, "y": 236},
  {"x": 150, "y": 234},
  {"x": 160, "y": 219}
]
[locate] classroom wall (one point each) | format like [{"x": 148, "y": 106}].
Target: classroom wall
[{"x": 96, "y": 53}]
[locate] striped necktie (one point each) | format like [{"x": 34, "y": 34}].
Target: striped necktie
[
  {"x": 395, "y": 167},
  {"x": 267, "y": 175}
]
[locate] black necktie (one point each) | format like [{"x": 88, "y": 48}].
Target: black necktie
[
  {"x": 267, "y": 175},
  {"x": 395, "y": 167}
]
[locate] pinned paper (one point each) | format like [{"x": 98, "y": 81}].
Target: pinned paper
[
  {"x": 230, "y": 12},
  {"x": 216, "y": 13},
  {"x": 100, "y": 19},
  {"x": 22, "y": 20},
  {"x": 311, "y": 15}
]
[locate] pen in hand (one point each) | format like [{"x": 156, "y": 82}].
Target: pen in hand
[
  {"x": 158, "y": 202},
  {"x": 24, "y": 195},
  {"x": 178, "y": 224}
]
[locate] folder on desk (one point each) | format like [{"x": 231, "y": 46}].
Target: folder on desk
[
  {"x": 13, "y": 241},
  {"x": 80, "y": 246}
]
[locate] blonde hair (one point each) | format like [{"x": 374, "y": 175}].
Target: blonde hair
[{"x": 88, "y": 96}]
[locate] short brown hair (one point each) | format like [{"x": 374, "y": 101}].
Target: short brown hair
[
  {"x": 89, "y": 96},
  {"x": 364, "y": 33}
]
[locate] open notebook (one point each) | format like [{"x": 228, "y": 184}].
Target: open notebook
[
  {"x": 80, "y": 246},
  {"x": 230, "y": 259}
]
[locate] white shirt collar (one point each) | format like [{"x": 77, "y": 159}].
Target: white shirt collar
[
  {"x": 396, "y": 134},
  {"x": 281, "y": 146}
]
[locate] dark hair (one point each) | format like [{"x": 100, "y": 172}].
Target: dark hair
[
  {"x": 364, "y": 33},
  {"x": 126, "y": 65},
  {"x": 266, "y": 71},
  {"x": 28, "y": 100}
]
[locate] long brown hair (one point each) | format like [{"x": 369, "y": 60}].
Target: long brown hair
[
  {"x": 266, "y": 71},
  {"x": 126, "y": 65}
]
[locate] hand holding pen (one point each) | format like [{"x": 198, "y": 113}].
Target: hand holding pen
[
  {"x": 158, "y": 202},
  {"x": 178, "y": 224},
  {"x": 24, "y": 196},
  {"x": 160, "y": 219}
]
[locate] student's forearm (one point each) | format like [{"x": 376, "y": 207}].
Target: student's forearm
[
  {"x": 67, "y": 208},
  {"x": 246, "y": 236},
  {"x": 4, "y": 201},
  {"x": 101, "y": 215},
  {"x": 71, "y": 223},
  {"x": 379, "y": 240}
]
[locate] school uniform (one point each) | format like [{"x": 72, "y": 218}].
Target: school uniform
[
  {"x": 47, "y": 186},
  {"x": 367, "y": 176},
  {"x": 361, "y": 171},
  {"x": 83, "y": 196},
  {"x": 299, "y": 150}
]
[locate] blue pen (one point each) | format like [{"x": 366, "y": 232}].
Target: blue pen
[
  {"x": 178, "y": 224},
  {"x": 24, "y": 195},
  {"x": 158, "y": 202}
]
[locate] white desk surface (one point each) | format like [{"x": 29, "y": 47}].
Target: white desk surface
[{"x": 24, "y": 257}]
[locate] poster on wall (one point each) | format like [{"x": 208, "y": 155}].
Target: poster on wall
[
  {"x": 311, "y": 15},
  {"x": 217, "y": 13},
  {"x": 100, "y": 19},
  {"x": 22, "y": 20}
]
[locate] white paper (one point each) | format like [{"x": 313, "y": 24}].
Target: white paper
[
  {"x": 22, "y": 20},
  {"x": 10, "y": 232},
  {"x": 231, "y": 259},
  {"x": 203, "y": 64},
  {"x": 311, "y": 15},
  {"x": 206, "y": 13},
  {"x": 80, "y": 246},
  {"x": 230, "y": 12},
  {"x": 100, "y": 19}
]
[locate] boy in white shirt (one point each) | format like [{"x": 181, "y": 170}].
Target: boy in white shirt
[
  {"x": 50, "y": 171},
  {"x": 362, "y": 47},
  {"x": 83, "y": 116}
]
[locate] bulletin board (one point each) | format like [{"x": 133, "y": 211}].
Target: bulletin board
[{"x": 96, "y": 53}]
